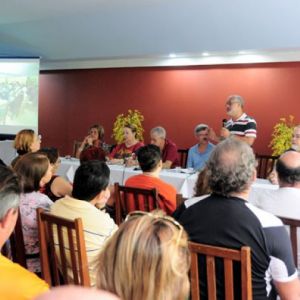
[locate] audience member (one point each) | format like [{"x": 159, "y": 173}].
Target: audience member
[
  {"x": 168, "y": 148},
  {"x": 34, "y": 170},
  {"x": 285, "y": 201},
  {"x": 57, "y": 187},
  {"x": 199, "y": 154},
  {"x": 147, "y": 258},
  {"x": 226, "y": 219},
  {"x": 26, "y": 141},
  {"x": 93, "y": 146},
  {"x": 295, "y": 147},
  {"x": 76, "y": 293},
  {"x": 127, "y": 149},
  {"x": 90, "y": 188},
  {"x": 149, "y": 158},
  {"x": 202, "y": 191},
  {"x": 15, "y": 281},
  {"x": 240, "y": 125}
]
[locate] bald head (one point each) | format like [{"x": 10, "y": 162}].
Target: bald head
[{"x": 288, "y": 169}]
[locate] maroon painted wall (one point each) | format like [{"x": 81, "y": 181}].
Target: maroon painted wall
[{"x": 176, "y": 98}]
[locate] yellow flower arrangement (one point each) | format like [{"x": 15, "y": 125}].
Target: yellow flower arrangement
[
  {"x": 282, "y": 135},
  {"x": 133, "y": 117}
]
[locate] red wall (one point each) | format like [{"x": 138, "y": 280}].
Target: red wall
[{"x": 176, "y": 98}]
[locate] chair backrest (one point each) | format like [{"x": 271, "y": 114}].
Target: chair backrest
[
  {"x": 183, "y": 154},
  {"x": 265, "y": 165},
  {"x": 15, "y": 249},
  {"x": 293, "y": 224},
  {"x": 130, "y": 198},
  {"x": 228, "y": 256},
  {"x": 62, "y": 250}
]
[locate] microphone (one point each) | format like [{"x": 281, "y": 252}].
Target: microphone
[{"x": 224, "y": 121}]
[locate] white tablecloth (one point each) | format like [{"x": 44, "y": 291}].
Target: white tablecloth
[{"x": 184, "y": 183}]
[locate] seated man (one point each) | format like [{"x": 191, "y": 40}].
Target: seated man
[
  {"x": 149, "y": 158},
  {"x": 199, "y": 154},
  {"x": 285, "y": 201},
  {"x": 15, "y": 281},
  {"x": 90, "y": 189},
  {"x": 168, "y": 148},
  {"x": 226, "y": 219}
]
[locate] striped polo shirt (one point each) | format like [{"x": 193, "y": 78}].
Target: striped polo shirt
[{"x": 243, "y": 126}]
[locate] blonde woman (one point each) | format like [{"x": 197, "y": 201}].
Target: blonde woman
[
  {"x": 147, "y": 258},
  {"x": 26, "y": 141}
]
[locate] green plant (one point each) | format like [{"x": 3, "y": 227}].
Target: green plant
[
  {"x": 133, "y": 117},
  {"x": 282, "y": 135}
]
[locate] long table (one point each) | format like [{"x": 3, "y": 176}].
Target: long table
[{"x": 184, "y": 183}]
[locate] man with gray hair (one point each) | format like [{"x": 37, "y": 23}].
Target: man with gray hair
[
  {"x": 15, "y": 281},
  {"x": 226, "y": 219},
  {"x": 240, "y": 125},
  {"x": 285, "y": 201},
  {"x": 199, "y": 153},
  {"x": 168, "y": 149}
]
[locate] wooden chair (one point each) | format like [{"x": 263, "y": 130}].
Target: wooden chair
[
  {"x": 183, "y": 154},
  {"x": 293, "y": 224},
  {"x": 265, "y": 165},
  {"x": 129, "y": 199},
  {"x": 211, "y": 253},
  {"x": 15, "y": 247},
  {"x": 53, "y": 233}
]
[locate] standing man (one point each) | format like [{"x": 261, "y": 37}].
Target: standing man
[
  {"x": 226, "y": 219},
  {"x": 199, "y": 154},
  {"x": 240, "y": 125},
  {"x": 168, "y": 148}
]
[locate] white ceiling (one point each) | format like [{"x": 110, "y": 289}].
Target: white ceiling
[{"x": 79, "y": 33}]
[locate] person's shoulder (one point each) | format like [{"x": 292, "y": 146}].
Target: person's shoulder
[
  {"x": 265, "y": 218},
  {"x": 249, "y": 118},
  {"x": 170, "y": 144},
  {"x": 133, "y": 179},
  {"x": 26, "y": 283}
]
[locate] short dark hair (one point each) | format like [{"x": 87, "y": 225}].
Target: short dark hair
[
  {"x": 90, "y": 179},
  {"x": 31, "y": 168},
  {"x": 148, "y": 157},
  {"x": 51, "y": 153},
  {"x": 10, "y": 190},
  {"x": 287, "y": 174}
]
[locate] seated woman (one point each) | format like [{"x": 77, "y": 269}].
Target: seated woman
[
  {"x": 93, "y": 147},
  {"x": 147, "y": 258},
  {"x": 26, "y": 141},
  {"x": 125, "y": 150},
  {"x": 34, "y": 170},
  {"x": 57, "y": 187}
]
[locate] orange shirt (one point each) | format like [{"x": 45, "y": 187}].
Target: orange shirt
[
  {"x": 166, "y": 192},
  {"x": 17, "y": 283}
]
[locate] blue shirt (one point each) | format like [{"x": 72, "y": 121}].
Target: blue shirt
[{"x": 197, "y": 160}]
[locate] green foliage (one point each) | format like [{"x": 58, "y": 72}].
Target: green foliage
[
  {"x": 282, "y": 135},
  {"x": 133, "y": 117}
]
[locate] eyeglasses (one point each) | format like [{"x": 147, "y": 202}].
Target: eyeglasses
[
  {"x": 139, "y": 213},
  {"x": 231, "y": 102}
]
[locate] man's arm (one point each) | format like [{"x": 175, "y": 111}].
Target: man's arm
[{"x": 288, "y": 290}]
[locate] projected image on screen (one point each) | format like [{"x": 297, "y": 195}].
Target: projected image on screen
[{"x": 18, "y": 95}]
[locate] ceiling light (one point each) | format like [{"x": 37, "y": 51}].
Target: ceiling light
[
  {"x": 205, "y": 53},
  {"x": 172, "y": 55}
]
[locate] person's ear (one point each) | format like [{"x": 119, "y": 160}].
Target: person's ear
[
  {"x": 254, "y": 175},
  {"x": 102, "y": 197}
]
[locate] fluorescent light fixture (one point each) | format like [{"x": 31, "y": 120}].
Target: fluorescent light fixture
[
  {"x": 205, "y": 54},
  {"x": 172, "y": 55}
]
